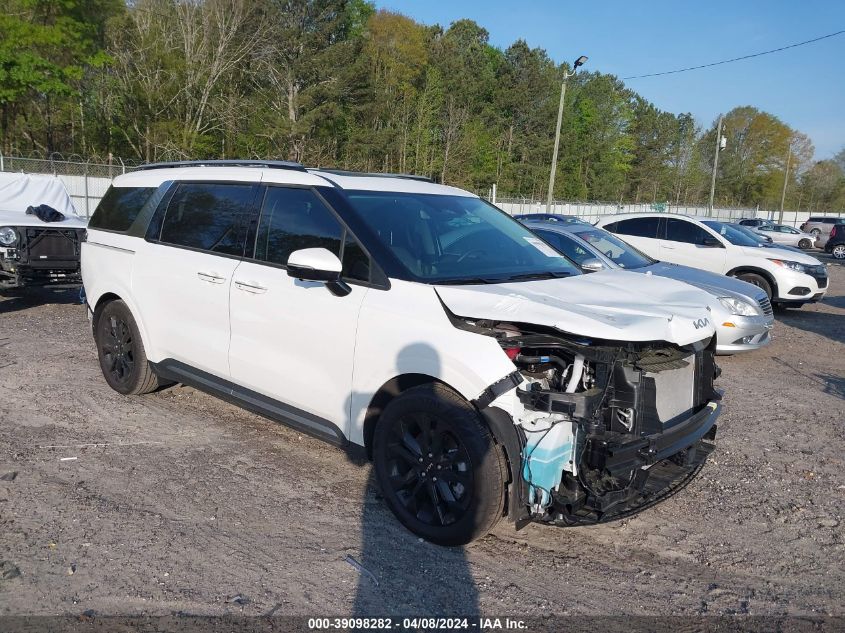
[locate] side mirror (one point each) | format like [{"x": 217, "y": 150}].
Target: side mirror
[
  {"x": 592, "y": 265},
  {"x": 318, "y": 264},
  {"x": 711, "y": 242}
]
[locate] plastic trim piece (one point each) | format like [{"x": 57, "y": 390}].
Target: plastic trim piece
[
  {"x": 227, "y": 390},
  {"x": 511, "y": 381}
]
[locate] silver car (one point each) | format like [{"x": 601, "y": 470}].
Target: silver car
[
  {"x": 787, "y": 235},
  {"x": 742, "y": 312}
]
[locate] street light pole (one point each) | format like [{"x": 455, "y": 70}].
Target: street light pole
[
  {"x": 715, "y": 166},
  {"x": 566, "y": 75},
  {"x": 785, "y": 180}
]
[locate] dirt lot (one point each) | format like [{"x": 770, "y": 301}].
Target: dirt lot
[{"x": 179, "y": 503}]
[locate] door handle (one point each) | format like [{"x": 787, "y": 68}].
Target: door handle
[
  {"x": 213, "y": 278},
  {"x": 250, "y": 287}
]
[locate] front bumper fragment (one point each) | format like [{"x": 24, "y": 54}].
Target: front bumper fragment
[{"x": 625, "y": 456}]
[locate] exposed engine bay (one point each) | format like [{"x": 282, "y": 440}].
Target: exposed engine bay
[{"x": 606, "y": 427}]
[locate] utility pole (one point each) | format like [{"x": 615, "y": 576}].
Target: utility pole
[
  {"x": 785, "y": 180},
  {"x": 566, "y": 75},
  {"x": 715, "y": 166}
]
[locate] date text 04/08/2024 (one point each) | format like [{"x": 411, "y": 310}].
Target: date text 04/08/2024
[{"x": 422, "y": 623}]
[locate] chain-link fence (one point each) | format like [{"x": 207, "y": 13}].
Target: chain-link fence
[
  {"x": 592, "y": 211},
  {"x": 86, "y": 182}
]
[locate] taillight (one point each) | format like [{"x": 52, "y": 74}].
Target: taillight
[
  {"x": 512, "y": 352},
  {"x": 833, "y": 231}
]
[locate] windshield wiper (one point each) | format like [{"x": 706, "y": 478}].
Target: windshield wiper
[
  {"x": 465, "y": 281},
  {"x": 544, "y": 275}
]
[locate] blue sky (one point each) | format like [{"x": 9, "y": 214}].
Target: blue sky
[{"x": 805, "y": 87}]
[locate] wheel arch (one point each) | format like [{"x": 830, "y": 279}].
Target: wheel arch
[
  {"x": 765, "y": 274},
  {"x": 388, "y": 392},
  {"x": 108, "y": 297},
  {"x": 104, "y": 299},
  {"x": 499, "y": 422}
]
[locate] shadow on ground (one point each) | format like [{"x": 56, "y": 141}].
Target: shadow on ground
[
  {"x": 826, "y": 324},
  {"x": 833, "y": 385},
  {"x": 25, "y": 298},
  {"x": 403, "y": 574}
]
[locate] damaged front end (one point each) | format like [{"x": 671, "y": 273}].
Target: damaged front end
[
  {"x": 603, "y": 428},
  {"x": 41, "y": 257}
]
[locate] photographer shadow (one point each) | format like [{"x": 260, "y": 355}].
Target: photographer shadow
[{"x": 410, "y": 576}]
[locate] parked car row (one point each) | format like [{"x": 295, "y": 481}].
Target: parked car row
[{"x": 789, "y": 278}]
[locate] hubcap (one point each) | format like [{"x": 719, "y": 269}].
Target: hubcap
[
  {"x": 429, "y": 469},
  {"x": 118, "y": 349},
  {"x": 839, "y": 252}
]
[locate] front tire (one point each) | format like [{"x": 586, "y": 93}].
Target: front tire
[
  {"x": 758, "y": 281},
  {"x": 439, "y": 469},
  {"x": 121, "y": 351}
]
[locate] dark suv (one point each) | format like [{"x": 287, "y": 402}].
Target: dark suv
[{"x": 836, "y": 242}]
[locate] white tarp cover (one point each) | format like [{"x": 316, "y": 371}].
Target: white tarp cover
[{"x": 19, "y": 191}]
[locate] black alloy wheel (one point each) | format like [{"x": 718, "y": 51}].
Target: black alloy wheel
[
  {"x": 118, "y": 349},
  {"x": 121, "y": 351},
  {"x": 430, "y": 470},
  {"x": 439, "y": 469}
]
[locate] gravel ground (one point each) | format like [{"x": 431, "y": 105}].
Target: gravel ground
[{"x": 177, "y": 503}]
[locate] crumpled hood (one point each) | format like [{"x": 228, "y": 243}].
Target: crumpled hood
[{"x": 614, "y": 304}]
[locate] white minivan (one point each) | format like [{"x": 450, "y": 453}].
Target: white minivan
[
  {"x": 483, "y": 374},
  {"x": 789, "y": 277}
]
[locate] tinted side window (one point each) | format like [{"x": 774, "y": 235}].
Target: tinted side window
[
  {"x": 683, "y": 231},
  {"x": 208, "y": 216},
  {"x": 567, "y": 246},
  {"x": 119, "y": 208},
  {"x": 293, "y": 219},
  {"x": 638, "y": 227}
]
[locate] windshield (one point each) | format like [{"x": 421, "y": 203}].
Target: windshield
[
  {"x": 457, "y": 239},
  {"x": 732, "y": 233},
  {"x": 621, "y": 253}
]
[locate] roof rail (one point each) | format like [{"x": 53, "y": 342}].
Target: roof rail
[
  {"x": 346, "y": 172},
  {"x": 272, "y": 164}
]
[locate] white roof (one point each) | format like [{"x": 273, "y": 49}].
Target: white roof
[
  {"x": 312, "y": 177},
  {"x": 385, "y": 183}
]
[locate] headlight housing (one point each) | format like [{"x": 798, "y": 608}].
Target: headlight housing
[
  {"x": 796, "y": 266},
  {"x": 8, "y": 236},
  {"x": 738, "y": 306}
]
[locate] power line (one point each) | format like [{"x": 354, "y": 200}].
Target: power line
[{"x": 736, "y": 59}]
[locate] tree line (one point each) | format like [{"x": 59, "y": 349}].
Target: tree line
[{"x": 338, "y": 83}]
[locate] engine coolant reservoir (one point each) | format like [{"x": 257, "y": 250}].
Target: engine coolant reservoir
[{"x": 550, "y": 449}]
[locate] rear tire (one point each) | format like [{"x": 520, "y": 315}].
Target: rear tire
[
  {"x": 804, "y": 244},
  {"x": 838, "y": 251},
  {"x": 438, "y": 466},
  {"x": 121, "y": 351},
  {"x": 758, "y": 281},
  {"x": 816, "y": 233}
]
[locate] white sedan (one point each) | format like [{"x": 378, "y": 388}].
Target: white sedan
[{"x": 787, "y": 235}]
